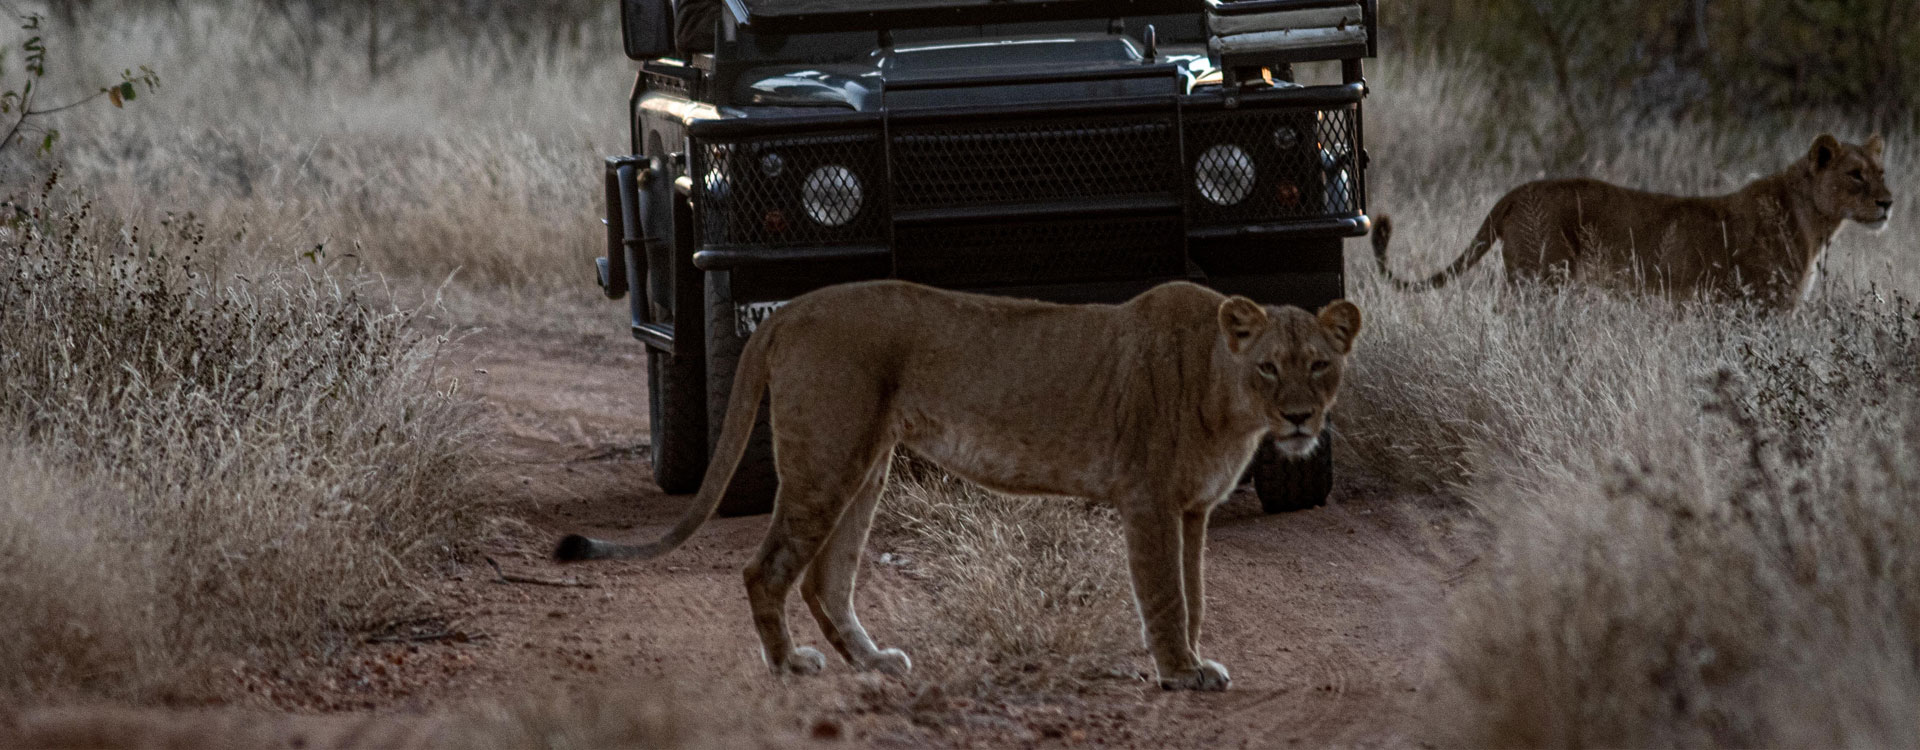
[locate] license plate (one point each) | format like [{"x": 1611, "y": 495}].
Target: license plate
[{"x": 750, "y": 315}]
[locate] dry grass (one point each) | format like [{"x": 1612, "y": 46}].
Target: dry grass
[
  {"x": 470, "y": 161},
  {"x": 1705, "y": 515},
  {"x": 246, "y": 466},
  {"x": 97, "y": 616},
  {"x": 1031, "y": 592}
]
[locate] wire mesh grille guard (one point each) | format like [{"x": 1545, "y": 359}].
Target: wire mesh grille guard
[
  {"x": 972, "y": 164},
  {"x": 1263, "y": 165},
  {"x": 790, "y": 190},
  {"x": 1041, "y": 252}
]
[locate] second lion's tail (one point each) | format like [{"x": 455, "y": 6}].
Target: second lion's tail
[
  {"x": 743, "y": 407},
  {"x": 1482, "y": 242}
]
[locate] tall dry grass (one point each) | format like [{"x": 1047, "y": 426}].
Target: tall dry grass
[
  {"x": 214, "y": 466},
  {"x": 1031, "y": 592},
  {"x": 470, "y": 159},
  {"x": 1704, "y": 515}
]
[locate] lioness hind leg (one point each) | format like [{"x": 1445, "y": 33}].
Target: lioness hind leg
[
  {"x": 803, "y": 517},
  {"x": 830, "y": 582},
  {"x": 824, "y": 464}
]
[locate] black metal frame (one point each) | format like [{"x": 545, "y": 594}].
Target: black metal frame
[{"x": 943, "y": 14}]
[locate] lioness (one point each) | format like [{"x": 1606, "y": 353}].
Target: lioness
[
  {"x": 1763, "y": 240},
  {"x": 1155, "y": 405}
]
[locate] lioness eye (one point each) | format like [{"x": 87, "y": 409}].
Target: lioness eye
[
  {"x": 1269, "y": 371},
  {"x": 1319, "y": 366},
  {"x": 1857, "y": 175}
]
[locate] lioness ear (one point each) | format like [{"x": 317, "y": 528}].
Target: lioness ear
[
  {"x": 1241, "y": 319},
  {"x": 1341, "y": 319},
  {"x": 1824, "y": 149},
  {"x": 1875, "y": 146}
]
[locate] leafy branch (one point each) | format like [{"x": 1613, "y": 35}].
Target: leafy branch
[{"x": 20, "y": 104}]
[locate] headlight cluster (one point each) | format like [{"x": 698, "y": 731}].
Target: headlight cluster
[
  {"x": 1251, "y": 169},
  {"x": 814, "y": 189}
]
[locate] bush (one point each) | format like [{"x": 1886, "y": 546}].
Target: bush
[
  {"x": 1704, "y": 516},
  {"x": 274, "y": 454},
  {"x": 1732, "y": 57}
]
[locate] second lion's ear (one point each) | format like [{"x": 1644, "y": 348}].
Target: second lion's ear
[
  {"x": 1825, "y": 148},
  {"x": 1341, "y": 319},
  {"x": 1241, "y": 319}
]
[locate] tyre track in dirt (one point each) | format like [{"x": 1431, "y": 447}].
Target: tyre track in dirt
[{"x": 1327, "y": 618}]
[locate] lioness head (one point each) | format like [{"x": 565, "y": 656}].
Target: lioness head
[
  {"x": 1290, "y": 362},
  {"x": 1849, "y": 182}
]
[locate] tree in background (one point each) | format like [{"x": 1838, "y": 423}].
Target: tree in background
[
  {"x": 20, "y": 89},
  {"x": 1737, "y": 58}
]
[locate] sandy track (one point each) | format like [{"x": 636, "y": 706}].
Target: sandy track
[{"x": 1327, "y": 618}]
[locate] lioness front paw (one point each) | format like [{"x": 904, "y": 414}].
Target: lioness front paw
[
  {"x": 1208, "y": 676},
  {"x": 889, "y": 661},
  {"x": 803, "y": 660}
]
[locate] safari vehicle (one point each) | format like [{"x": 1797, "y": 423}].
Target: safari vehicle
[{"x": 1066, "y": 150}]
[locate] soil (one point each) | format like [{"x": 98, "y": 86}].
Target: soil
[{"x": 1327, "y": 618}]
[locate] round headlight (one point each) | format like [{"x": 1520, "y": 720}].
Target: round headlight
[
  {"x": 831, "y": 195},
  {"x": 1224, "y": 174}
]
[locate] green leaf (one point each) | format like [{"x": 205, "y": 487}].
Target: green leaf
[
  {"x": 126, "y": 91},
  {"x": 46, "y": 144}
]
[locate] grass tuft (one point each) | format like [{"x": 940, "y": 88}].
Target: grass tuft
[{"x": 246, "y": 465}]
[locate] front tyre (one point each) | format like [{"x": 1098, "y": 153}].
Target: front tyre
[
  {"x": 676, "y": 421},
  {"x": 755, "y": 481},
  {"x": 1287, "y": 484}
]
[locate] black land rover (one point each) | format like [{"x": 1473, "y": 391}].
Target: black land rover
[{"x": 1068, "y": 150}]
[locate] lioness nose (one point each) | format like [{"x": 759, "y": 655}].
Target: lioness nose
[
  {"x": 1885, "y": 202},
  {"x": 1298, "y": 417}
]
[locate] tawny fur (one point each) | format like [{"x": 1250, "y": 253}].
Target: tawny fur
[
  {"x": 1764, "y": 240},
  {"x": 1155, "y": 406}
]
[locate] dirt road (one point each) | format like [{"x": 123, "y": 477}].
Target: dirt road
[{"x": 1327, "y": 618}]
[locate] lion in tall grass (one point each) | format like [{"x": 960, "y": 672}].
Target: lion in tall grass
[{"x": 1763, "y": 241}]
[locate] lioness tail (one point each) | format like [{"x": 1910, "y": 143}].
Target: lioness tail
[
  {"x": 749, "y": 382},
  {"x": 1482, "y": 242}
]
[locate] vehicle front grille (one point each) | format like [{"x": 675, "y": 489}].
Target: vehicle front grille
[
  {"x": 795, "y": 190},
  {"x": 1041, "y": 252},
  {"x": 1027, "y": 161},
  {"x": 1304, "y": 164}
]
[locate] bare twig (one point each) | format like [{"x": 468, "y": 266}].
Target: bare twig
[
  {"x": 457, "y": 636},
  {"x": 501, "y": 576}
]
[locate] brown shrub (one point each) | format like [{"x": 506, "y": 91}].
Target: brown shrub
[{"x": 273, "y": 455}]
